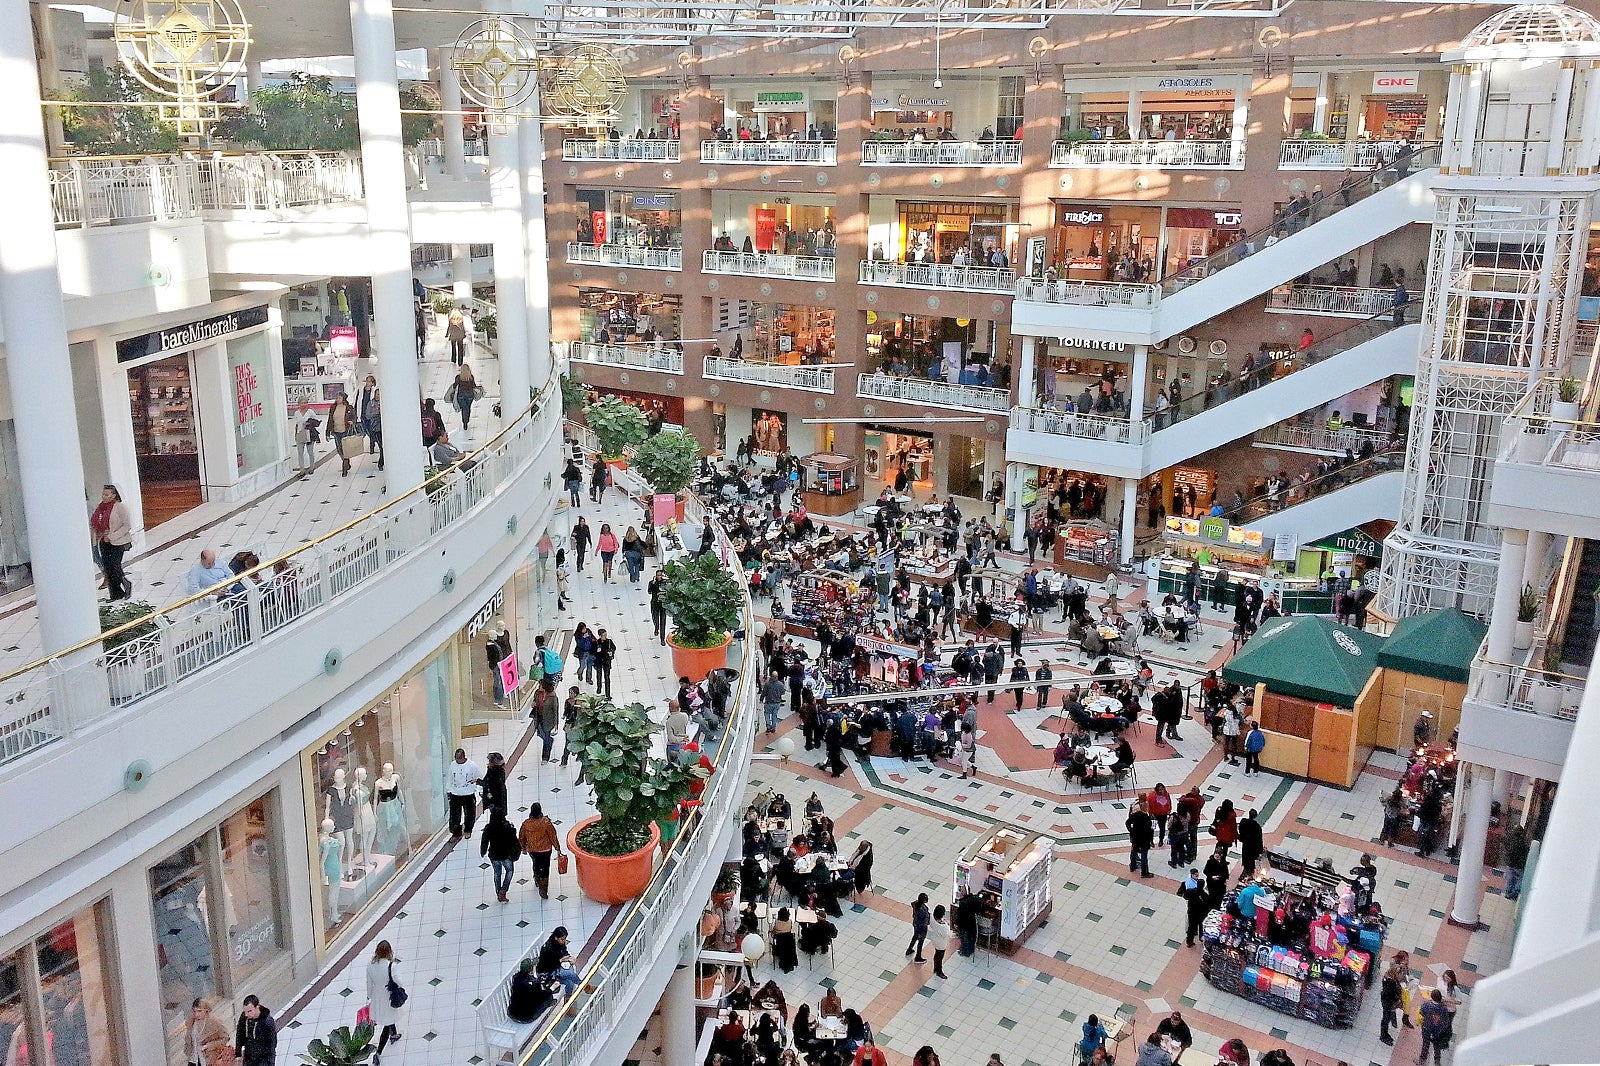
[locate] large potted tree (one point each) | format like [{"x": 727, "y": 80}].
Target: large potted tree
[
  {"x": 614, "y": 850},
  {"x": 666, "y": 461},
  {"x": 703, "y": 600},
  {"x": 618, "y": 424}
]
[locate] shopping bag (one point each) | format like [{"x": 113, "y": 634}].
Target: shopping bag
[
  {"x": 561, "y": 863},
  {"x": 364, "y": 1015},
  {"x": 352, "y": 446}
]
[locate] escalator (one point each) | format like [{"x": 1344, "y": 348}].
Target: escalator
[
  {"x": 1577, "y": 643},
  {"x": 1357, "y": 493}
]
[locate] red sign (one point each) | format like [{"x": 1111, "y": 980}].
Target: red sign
[
  {"x": 597, "y": 220},
  {"x": 342, "y": 340},
  {"x": 766, "y": 228}
]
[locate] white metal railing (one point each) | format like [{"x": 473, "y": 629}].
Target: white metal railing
[
  {"x": 941, "y": 153},
  {"x": 936, "y": 393},
  {"x": 1092, "y": 293},
  {"x": 93, "y": 191},
  {"x": 1068, "y": 423},
  {"x": 784, "y": 375},
  {"x": 1320, "y": 438},
  {"x": 1352, "y": 300},
  {"x": 631, "y": 356},
  {"x": 1146, "y": 154},
  {"x": 625, "y": 255},
  {"x": 1534, "y": 433},
  {"x": 807, "y": 153},
  {"x": 641, "y": 151},
  {"x": 64, "y": 694},
  {"x": 938, "y": 276},
  {"x": 768, "y": 265},
  {"x": 1320, "y": 154},
  {"x": 647, "y": 929},
  {"x": 1528, "y": 689}
]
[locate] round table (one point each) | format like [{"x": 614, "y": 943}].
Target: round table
[{"x": 1103, "y": 705}]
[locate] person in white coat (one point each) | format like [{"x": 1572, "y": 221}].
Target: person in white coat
[{"x": 381, "y": 971}]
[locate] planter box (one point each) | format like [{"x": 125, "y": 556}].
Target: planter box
[{"x": 613, "y": 878}]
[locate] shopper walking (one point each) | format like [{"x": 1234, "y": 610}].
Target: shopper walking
[
  {"x": 112, "y": 531},
  {"x": 382, "y": 982},
  {"x": 1389, "y": 995},
  {"x": 463, "y": 392},
  {"x": 455, "y": 331},
  {"x": 1197, "y": 903},
  {"x": 1251, "y": 845},
  {"x": 1254, "y": 743},
  {"x": 582, "y": 534},
  {"x": 1436, "y": 1027},
  {"x": 605, "y": 652},
  {"x": 1159, "y": 805},
  {"x": 939, "y": 933},
  {"x": 658, "y": 607},
  {"x": 461, "y": 783},
  {"x": 572, "y": 478},
  {"x": 597, "y": 480},
  {"x": 772, "y": 691},
  {"x": 255, "y": 1038},
  {"x": 205, "y": 1036},
  {"x": 1141, "y": 834},
  {"x": 500, "y": 845},
  {"x": 341, "y": 424},
  {"x": 369, "y": 412},
  {"x": 921, "y": 919},
  {"x": 607, "y": 545},
  {"x": 538, "y": 838},
  {"x": 546, "y": 716}
]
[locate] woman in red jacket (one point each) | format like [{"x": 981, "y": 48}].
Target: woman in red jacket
[
  {"x": 1225, "y": 827},
  {"x": 1159, "y": 804}
]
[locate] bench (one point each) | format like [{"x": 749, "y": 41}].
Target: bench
[{"x": 502, "y": 1037}]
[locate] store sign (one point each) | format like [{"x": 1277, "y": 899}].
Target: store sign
[
  {"x": 885, "y": 647},
  {"x": 1207, "y": 529},
  {"x": 1213, "y": 528},
  {"x": 780, "y": 101},
  {"x": 177, "y": 338},
  {"x": 1395, "y": 82},
  {"x": 1355, "y": 541},
  {"x": 658, "y": 202},
  {"x": 1228, "y": 219},
  {"x": 1190, "y": 82},
  {"x": 486, "y": 614},
  {"x": 923, "y": 103},
  {"x": 1085, "y": 217},
  {"x": 344, "y": 341},
  {"x": 1089, "y": 344}
]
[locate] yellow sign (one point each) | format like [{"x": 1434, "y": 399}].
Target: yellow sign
[
  {"x": 963, "y": 321},
  {"x": 872, "y": 317}
]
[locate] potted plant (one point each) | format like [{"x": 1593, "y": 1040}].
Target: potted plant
[
  {"x": 666, "y": 461},
  {"x": 618, "y": 424},
  {"x": 127, "y": 622},
  {"x": 344, "y": 1047},
  {"x": 673, "y": 782},
  {"x": 1531, "y": 443},
  {"x": 1565, "y": 406},
  {"x": 703, "y": 600},
  {"x": 725, "y": 888},
  {"x": 1527, "y": 610},
  {"x": 614, "y": 851},
  {"x": 1545, "y": 691},
  {"x": 573, "y": 393},
  {"x": 442, "y": 306}
]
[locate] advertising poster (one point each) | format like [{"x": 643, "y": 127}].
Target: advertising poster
[
  {"x": 508, "y": 672},
  {"x": 766, "y": 228},
  {"x": 769, "y": 432}
]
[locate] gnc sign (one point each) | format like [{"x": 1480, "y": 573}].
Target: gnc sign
[{"x": 1392, "y": 82}]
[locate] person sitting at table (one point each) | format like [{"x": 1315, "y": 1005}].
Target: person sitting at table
[
  {"x": 822, "y": 837},
  {"x": 780, "y": 810},
  {"x": 815, "y": 937},
  {"x": 1063, "y": 752},
  {"x": 783, "y": 945},
  {"x": 768, "y": 1037},
  {"x": 755, "y": 841},
  {"x": 813, "y": 806},
  {"x": 788, "y": 876},
  {"x": 1125, "y": 756},
  {"x": 748, "y": 922},
  {"x": 831, "y": 1006},
  {"x": 1177, "y": 1030},
  {"x": 856, "y": 1030},
  {"x": 804, "y": 1030},
  {"x": 1104, "y": 666},
  {"x": 752, "y": 880},
  {"x": 1151, "y": 1053},
  {"x": 729, "y": 1038},
  {"x": 1093, "y": 1039},
  {"x": 770, "y": 997},
  {"x": 1175, "y": 624}
]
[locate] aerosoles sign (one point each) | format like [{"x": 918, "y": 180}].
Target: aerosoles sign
[{"x": 177, "y": 338}]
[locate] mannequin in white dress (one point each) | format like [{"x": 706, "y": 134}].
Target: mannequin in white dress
[
  {"x": 366, "y": 820},
  {"x": 390, "y": 807},
  {"x": 330, "y": 855}
]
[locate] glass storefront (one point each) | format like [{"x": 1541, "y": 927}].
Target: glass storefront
[
  {"x": 503, "y": 627},
  {"x": 608, "y": 317},
  {"x": 982, "y": 234},
  {"x": 638, "y": 219},
  {"x": 75, "y": 1015},
  {"x": 375, "y": 791},
  {"x": 790, "y": 333},
  {"x": 216, "y": 904},
  {"x": 1102, "y": 242},
  {"x": 939, "y": 349}
]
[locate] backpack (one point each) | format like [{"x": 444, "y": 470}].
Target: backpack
[
  {"x": 552, "y": 664},
  {"x": 430, "y": 425}
]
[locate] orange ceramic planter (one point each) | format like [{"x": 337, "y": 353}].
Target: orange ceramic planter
[
  {"x": 613, "y": 878},
  {"x": 696, "y": 663}
]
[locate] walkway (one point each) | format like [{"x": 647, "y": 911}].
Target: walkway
[{"x": 275, "y": 522}]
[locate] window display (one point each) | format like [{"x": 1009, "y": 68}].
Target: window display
[
  {"x": 256, "y": 418},
  {"x": 76, "y": 994},
  {"x": 376, "y": 791},
  {"x": 165, "y": 437}
]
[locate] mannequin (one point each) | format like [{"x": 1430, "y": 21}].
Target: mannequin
[
  {"x": 391, "y": 811},
  {"x": 330, "y": 852},
  {"x": 366, "y": 820},
  {"x": 339, "y": 807},
  {"x": 493, "y": 652}
]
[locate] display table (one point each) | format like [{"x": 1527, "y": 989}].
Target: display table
[{"x": 1009, "y": 868}]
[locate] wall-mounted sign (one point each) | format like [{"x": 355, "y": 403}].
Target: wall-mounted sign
[
  {"x": 486, "y": 614},
  {"x": 1228, "y": 219},
  {"x": 1395, "y": 82},
  {"x": 1356, "y": 541},
  {"x": 1090, "y": 344},
  {"x": 177, "y": 338},
  {"x": 923, "y": 103},
  {"x": 1191, "y": 81},
  {"x": 780, "y": 101},
  {"x": 1087, "y": 216},
  {"x": 653, "y": 201},
  {"x": 1213, "y": 529}
]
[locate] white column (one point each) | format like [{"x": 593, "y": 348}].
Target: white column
[
  {"x": 1137, "y": 373},
  {"x": 1471, "y": 111},
  {"x": 389, "y": 243},
  {"x": 1027, "y": 374},
  {"x": 536, "y": 246},
  {"x": 1133, "y": 114},
  {"x": 1319, "y": 114},
  {"x": 455, "y": 151},
  {"x": 1533, "y": 563},
  {"x": 1474, "y": 834},
  {"x": 678, "y": 1038},
  {"x": 1130, "y": 517},
  {"x": 252, "y": 78},
  {"x": 510, "y": 264},
  {"x": 1503, "y": 615},
  {"x": 38, "y": 366},
  {"x": 1589, "y": 137},
  {"x": 1019, "y": 521},
  {"x": 461, "y": 272},
  {"x": 1502, "y": 787},
  {"x": 1241, "y": 115}
]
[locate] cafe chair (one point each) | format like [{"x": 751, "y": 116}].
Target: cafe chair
[
  {"x": 988, "y": 931},
  {"x": 1124, "y": 1030}
]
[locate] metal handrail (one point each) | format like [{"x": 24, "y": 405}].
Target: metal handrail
[
  {"x": 881, "y": 386},
  {"x": 783, "y": 375},
  {"x": 1383, "y": 462}
]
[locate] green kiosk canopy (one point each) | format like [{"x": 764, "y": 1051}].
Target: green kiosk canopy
[
  {"x": 1438, "y": 644},
  {"x": 1308, "y": 657}
]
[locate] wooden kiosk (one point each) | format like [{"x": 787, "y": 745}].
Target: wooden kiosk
[
  {"x": 1009, "y": 869},
  {"x": 830, "y": 485}
]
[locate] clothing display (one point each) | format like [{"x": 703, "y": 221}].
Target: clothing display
[{"x": 341, "y": 807}]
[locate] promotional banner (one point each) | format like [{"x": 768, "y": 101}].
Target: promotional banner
[
  {"x": 597, "y": 224},
  {"x": 766, "y": 228},
  {"x": 509, "y": 674}
]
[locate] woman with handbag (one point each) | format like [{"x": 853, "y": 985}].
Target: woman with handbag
[
  {"x": 342, "y": 427},
  {"x": 385, "y": 995},
  {"x": 462, "y": 392},
  {"x": 539, "y": 838}
]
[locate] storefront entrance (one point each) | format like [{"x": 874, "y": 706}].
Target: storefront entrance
[
  {"x": 166, "y": 437},
  {"x": 887, "y": 454}
]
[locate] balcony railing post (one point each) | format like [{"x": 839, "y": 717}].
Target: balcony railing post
[{"x": 81, "y": 185}]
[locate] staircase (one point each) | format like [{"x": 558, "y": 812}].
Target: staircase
[
  {"x": 1577, "y": 643},
  {"x": 1371, "y": 491}
]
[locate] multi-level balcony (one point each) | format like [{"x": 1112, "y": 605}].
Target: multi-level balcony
[
  {"x": 767, "y": 265},
  {"x": 802, "y": 153},
  {"x": 656, "y": 357},
  {"x": 1548, "y": 468},
  {"x": 780, "y": 375},
  {"x": 625, "y": 255},
  {"x": 941, "y": 153},
  {"x": 934, "y": 394},
  {"x": 1345, "y": 301},
  {"x": 1173, "y": 154},
  {"x": 578, "y": 149},
  {"x": 938, "y": 276}
]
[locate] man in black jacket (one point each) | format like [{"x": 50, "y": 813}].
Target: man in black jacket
[
  {"x": 605, "y": 653},
  {"x": 1198, "y": 900},
  {"x": 255, "y": 1041},
  {"x": 1141, "y": 834},
  {"x": 1250, "y": 843},
  {"x": 529, "y": 996}
]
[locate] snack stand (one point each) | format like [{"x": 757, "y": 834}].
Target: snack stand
[
  {"x": 1009, "y": 869},
  {"x": 1298, "y": 956},
  {"x": 1240, "y": 555},
  {"x": 830, "y": 483},
  {"x": 1087, "y": 551}
]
